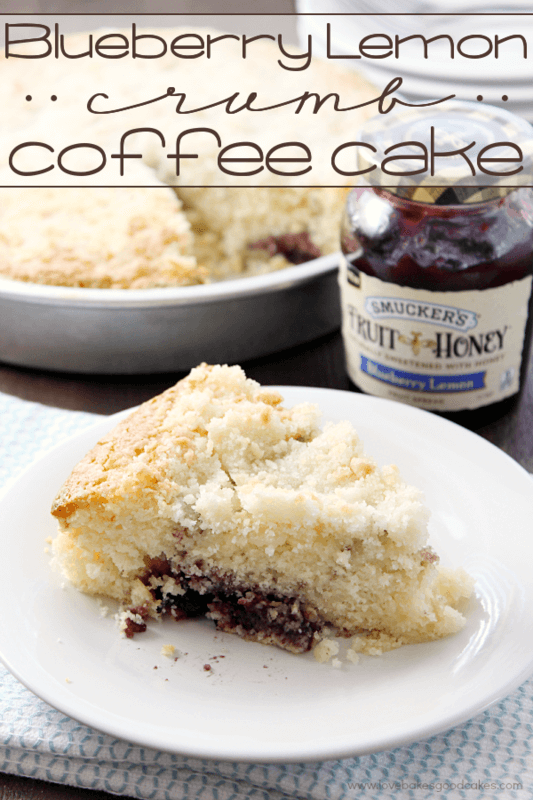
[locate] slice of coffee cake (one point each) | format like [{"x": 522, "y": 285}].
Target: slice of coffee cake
[{"x": 215, "y": 499}]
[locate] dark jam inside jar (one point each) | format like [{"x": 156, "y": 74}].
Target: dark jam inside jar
[{"x": 446, "y": 249}]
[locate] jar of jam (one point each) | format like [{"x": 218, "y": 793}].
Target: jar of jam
[{"x": 437, "y": 269}]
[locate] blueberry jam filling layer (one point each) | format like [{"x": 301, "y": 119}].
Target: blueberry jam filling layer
[
  {"x": 296, "y": 247},
  {"x": 248, "y": 611}
]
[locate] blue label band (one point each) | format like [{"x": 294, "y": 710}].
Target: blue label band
[{"x": 417, "y": 382}]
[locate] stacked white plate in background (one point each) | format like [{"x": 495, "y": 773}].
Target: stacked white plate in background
[{"x": 510, "y": 75}]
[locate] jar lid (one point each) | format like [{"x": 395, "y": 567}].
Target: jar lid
[{"x": 459, "y": 152}]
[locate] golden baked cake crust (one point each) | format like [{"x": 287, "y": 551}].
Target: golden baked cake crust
[
  {"x": 96, "y": 238},
  {"x": 215, "y": 499}
]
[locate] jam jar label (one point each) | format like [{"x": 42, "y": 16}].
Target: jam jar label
[{"x": 443, "y": 351}]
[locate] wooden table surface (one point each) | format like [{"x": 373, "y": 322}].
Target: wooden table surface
[{"x": 319, "y": 363}]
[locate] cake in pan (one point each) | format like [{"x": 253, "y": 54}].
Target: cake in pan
[
  {"x": 214, "y": 499},
  {"x": 74, "y": 237}
]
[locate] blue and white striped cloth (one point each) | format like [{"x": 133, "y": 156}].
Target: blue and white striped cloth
[{"x": 491, "y": 756}]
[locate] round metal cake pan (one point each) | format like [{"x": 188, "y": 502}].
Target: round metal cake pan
[{"x": 118, "y": 331}]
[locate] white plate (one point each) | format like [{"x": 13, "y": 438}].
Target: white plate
[{"x": 263, "y": 704}]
